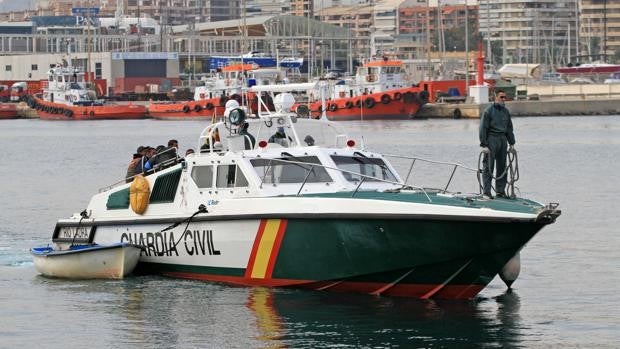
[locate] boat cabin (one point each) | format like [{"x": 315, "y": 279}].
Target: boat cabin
[
  {"x": 233, "y": 79},
  {"x": 67, "y": 85},
  {"x": 374, "y": 76},
  {"x": 316, "y": 159}
]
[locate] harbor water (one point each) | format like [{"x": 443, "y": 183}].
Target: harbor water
[{"x": 567, "y": 295}]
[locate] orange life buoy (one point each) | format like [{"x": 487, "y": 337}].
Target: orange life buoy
[{"x": 139, "y": 192}]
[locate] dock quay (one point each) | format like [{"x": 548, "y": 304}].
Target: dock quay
[{"x": 541, "y": 107}]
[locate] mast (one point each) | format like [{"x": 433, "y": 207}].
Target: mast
[
  {"x": 577, "y": 31},
  {"x": 604, "y": 31},
  {"x": 428, "y": 41},
  {"x": 489, "y": 30},
  {"x": 466, "y": 46},
  {"x": 244, "y": 38},
  {"x": 88, "y": 48}
]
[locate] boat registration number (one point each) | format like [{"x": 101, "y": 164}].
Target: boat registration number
[{"x": 75, "y": 234}]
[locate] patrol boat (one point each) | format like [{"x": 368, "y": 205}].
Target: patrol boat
[{"x": 314, "y": 210}]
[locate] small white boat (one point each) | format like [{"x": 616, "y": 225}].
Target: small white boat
[{"x": 89, "y": 261}]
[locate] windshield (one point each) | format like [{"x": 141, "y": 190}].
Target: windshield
[
  {"x": 275, "y": 171},
  {"x": 371, "y": 167}
]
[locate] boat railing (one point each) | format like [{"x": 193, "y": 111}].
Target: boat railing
[
  {"x": 454, "y": 167},
  {"x": 309, "y": 168},
  {"x": 511, "y": 172}
]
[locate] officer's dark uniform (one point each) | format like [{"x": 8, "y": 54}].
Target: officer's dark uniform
[{"x": 495, "y": 132}]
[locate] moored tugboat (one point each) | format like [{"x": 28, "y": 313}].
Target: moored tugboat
[
  {"x": 66, "y": 97},
  {"x": 378, "y": 91}
]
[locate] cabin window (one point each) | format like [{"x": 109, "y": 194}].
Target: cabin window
[
  {"x": 34, "y": 67},
  {"x": 165, "y": 187},
  {"x": 118, "y": 200},
  {"x": 8, "y": 68},
  {"x": 275, "y": 171},
  {"x": 371, "y": 167},
  {"x": 203, "y": 176},
  {"x": 230, "y": 176}
]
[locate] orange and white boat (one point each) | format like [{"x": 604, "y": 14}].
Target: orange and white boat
[
  {"x": 379, "y": 90},
  {"x": 65, "y": 97},
  {"x": 8, "y": 111},
  {"x": 210, "y": 97}
]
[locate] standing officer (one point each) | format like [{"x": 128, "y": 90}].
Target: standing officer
[{"x": 495, "y": 136}]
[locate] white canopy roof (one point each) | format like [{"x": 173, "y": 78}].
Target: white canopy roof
[{"x": 522, "y": 71}]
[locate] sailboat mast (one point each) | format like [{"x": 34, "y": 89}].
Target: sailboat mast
[
  {"x": 466, "y": 47},
  {"x": 428, "y": 41},
  {"x": 604, "y": 31}
]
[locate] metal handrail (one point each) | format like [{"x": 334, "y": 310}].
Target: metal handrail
[
  {"x": 413, "y": 159},
  {"x": 511, "y": 170}
]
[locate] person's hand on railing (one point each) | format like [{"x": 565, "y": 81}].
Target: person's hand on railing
[
  {"x": 485, "y": 150},
  {"x": 512, "y": 150}
]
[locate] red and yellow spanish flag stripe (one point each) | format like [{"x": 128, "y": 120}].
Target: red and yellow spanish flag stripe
[{"x": 266, "y": 248}]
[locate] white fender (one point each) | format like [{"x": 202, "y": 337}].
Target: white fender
[{"x": 510, "y": 271}]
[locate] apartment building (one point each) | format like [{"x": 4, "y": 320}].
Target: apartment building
[
  {"x": 526, "y": 31},
  {"x": 599, "y": 28},
  {"x": 377, "y": 21},
  {"x": 424, "y": 24},
  {"x": 166, "y": 12},
  {"x": 302, "y": 8}
]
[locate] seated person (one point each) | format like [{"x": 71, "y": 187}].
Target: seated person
[
  {"x": 167, "y": 156},
  {"x": 280, "y": 137}
]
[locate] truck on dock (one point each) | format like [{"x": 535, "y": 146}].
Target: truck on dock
[
  {"x": 19, "y": 91},
  {"x": 5, "y": 93},
  {"x": 15, "y": 91}
]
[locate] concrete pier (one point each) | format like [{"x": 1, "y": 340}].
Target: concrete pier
[{"x": 547, "y": 107}]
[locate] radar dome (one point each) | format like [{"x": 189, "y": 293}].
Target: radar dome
[
  {"x": 231, "y": 104},
  {"x": 284, "y": 102}
]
